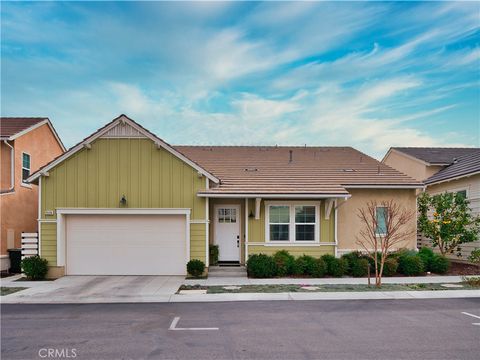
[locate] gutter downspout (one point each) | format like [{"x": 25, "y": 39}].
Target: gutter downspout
[{"x": 12, "y": 166}]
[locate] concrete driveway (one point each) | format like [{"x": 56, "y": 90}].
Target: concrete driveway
[{"x": 95, "y": 289}]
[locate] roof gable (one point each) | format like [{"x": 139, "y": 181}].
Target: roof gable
[
  {"x": 434, "y": 155},
  {"x": 464, "y": 166},
  {"x": 12, "y": 128},
  {"x": 121, "y": 127}
]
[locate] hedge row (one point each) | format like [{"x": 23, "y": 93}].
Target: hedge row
[{"x": 355, "y": 264}]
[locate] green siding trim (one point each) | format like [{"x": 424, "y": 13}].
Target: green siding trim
[
  {"x": 48, "y": 242},
  {"x": 198, "y": 233},
  {"x": 147, "y": 176},
  {"x": 315, "y": 251},
  {"x": 98, "y": 177},
  {"x": 256, "y": 228}
]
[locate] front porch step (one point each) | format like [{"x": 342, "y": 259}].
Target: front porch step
[{"x": 217, "y": 271}]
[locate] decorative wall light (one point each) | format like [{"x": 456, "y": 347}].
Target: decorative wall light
[{"x": 123, "y": 200}]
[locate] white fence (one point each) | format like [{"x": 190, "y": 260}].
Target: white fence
[{"x": 29, "y": 244}]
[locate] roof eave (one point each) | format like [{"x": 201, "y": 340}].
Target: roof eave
[
  {"x": 273, "y": 195},
  {"x": 453, "y": 178}
]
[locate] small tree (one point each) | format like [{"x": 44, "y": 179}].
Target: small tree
[
  {"x": 383, "y": 231},
  {"x": 451, "y": 222}
]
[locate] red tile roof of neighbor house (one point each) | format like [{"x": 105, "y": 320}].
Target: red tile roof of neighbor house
[
  {"x": 293, "y": 170},
  {"x": 13, "y": 127},
  {"x": 10, "y": 126},
  {"x": 463, "y": 166}
]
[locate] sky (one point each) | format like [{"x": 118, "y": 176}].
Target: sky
[{"x": 365, "y": 74}]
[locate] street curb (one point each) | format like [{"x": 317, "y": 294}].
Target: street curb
[{"x": 289, "y": 296}]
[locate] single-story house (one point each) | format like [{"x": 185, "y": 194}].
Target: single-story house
[
  {"x": 442, "y": 170},
  {"x": 124, "y": 202}
]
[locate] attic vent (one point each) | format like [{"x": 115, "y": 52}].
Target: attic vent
[
  {"x": 348, "y": 170},
  {"x": 251, "y": 169}
]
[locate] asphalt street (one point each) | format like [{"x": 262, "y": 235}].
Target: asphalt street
[{"x": 359, "y": 329}]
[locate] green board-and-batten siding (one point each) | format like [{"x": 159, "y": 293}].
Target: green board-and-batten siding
[
  {"x": 256, "y": 234},
  {"x": 98, "y": 178}
]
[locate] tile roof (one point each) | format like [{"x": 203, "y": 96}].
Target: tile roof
[
  {"x": 312, "y": 170},
  {"x": 10, "y": 126},
  {"x": 464, "y": 165},
  {"x": 435, "y": 155}
]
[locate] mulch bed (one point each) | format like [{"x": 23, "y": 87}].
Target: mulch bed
[{"x": 458, "y": 268}]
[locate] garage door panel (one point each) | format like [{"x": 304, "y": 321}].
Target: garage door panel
[{"x": 125, "y": 244}]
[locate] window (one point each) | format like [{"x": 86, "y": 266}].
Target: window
[
  {"x": 382, "y": 218},
  {"x": 305, "y": 223},
  {"x": 292, "y": 223},
  {"x": 279, "y": 218},
  {"x": 25, "y": 166},
  {"x": 462, "y": 194},
  {"x": 227, "y": 215}
]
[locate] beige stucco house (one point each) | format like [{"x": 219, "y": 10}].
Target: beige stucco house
[
  {"x": 125, "y": 202},
  {"x": 442, "y": 170},
  {"x": 26, "y": 144}
]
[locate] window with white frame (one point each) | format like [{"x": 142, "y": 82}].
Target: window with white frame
[
  {"x": 381, "y": 215},
  {"x": 279, "y": 222},
  {"x": 25, "y": 166},
  {"x": 292, "y": 222}
]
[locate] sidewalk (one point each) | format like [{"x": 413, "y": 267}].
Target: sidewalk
[
  {"x": 323, "y": 281},
  {"x": 141, "y": 289}
]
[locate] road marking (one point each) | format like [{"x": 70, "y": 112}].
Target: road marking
[
  {"x": 173, "y": 326},
  {"x": 475, "y": 316}
]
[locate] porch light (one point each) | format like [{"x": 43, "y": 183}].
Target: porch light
[{"x": 123, "y": 200}]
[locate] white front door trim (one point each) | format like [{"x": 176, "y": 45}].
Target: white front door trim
[
  {"x": 62, "y": 212},
  {"x": 238, "y": 222}
]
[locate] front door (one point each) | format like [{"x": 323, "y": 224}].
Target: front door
[{"x": 227, "y": 232}]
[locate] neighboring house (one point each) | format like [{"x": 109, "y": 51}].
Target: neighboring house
[
  {"x": 124, "y": 202},
  {"x": 442, "y": 170},
  {"x": 26, "y": 144}
]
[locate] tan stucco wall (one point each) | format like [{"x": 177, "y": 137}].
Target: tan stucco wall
[
  {"x": 5, "y": 170},
  {"x": 411, "y": 167},
  {"x": 19, "y": 210},
  {"x": 349, "y": 224}
]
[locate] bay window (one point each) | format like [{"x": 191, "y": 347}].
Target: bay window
[{"x": 292, "y": 222}]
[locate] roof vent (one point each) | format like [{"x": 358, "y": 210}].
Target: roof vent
[
  {"x": 251, "y": 169},
  {"x": 348, "y": 170},
  {"x": 455, "y": 160},
  {"x": 291, "y": 156}
]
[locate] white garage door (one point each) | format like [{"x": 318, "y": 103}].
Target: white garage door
[{"x": 125, "y": 245}]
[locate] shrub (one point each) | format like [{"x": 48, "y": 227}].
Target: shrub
[
  {"x": 285, "y": 263},
  {"x": 411, "y": 265},
  {"x": 390, "y": 266},
  {"x": 306, "y": 265},
  {"x": 359, "y": 267},
  {"x": 320, "y": 268},
  {"x": 475, "y": 256},
  {"x": 439, "y": 264},
  {"x": 335, "y": 267},
  {"x": 261, "y": 266},
  {"x": 472, "y": 280},
  {"x": 195, "y": 267},
  {"x": 35, "y": 267},
  {"x": 352, "y": 257},
  {"x": 213, "y": 255},
  {"x": 427, "y": 255}
]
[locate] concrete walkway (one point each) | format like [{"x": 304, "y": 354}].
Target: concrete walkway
[
  {"x": 323, "y": 281},
  {"x": 93, "y": 289}
]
